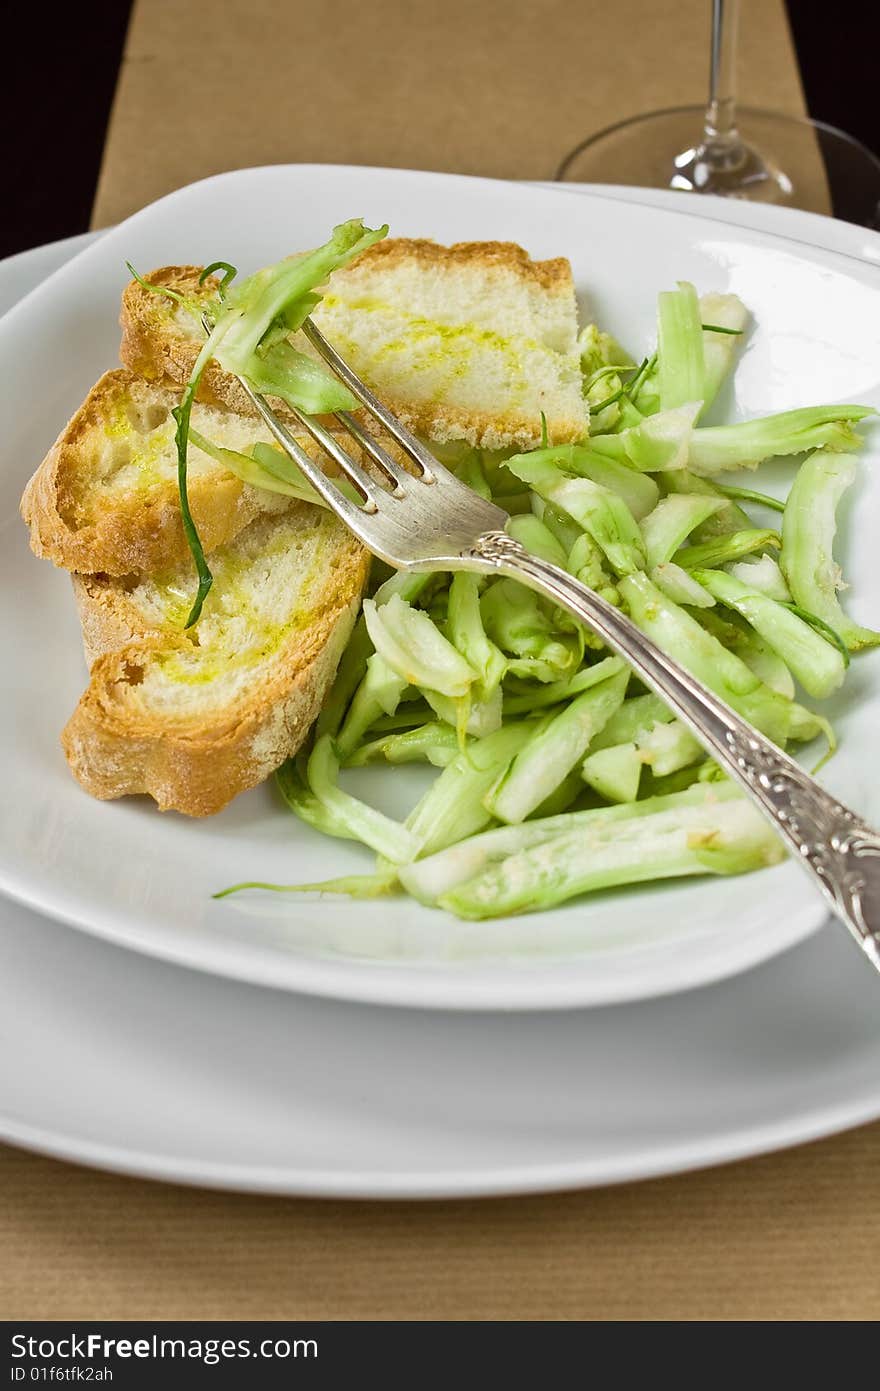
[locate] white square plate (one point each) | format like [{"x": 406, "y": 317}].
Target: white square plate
[{"x": 144, "y": 880}]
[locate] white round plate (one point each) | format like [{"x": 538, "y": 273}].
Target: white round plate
[
  {"x": 124, "y": 872},
  {"x": 129, "y": 1064}
]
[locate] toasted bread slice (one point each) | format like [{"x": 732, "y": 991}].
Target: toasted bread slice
[
  {"x": 193, "y": 718},
  {"x": 105, "y": 498},
  {"x": 468, "y": 342}
]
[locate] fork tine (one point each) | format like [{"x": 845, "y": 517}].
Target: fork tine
[
  {"x": 428, "y": 466},
  {"x": 380, "y": 457},
  {"x": 330, "y": 444},
  {"x": 324, "y": 486}
]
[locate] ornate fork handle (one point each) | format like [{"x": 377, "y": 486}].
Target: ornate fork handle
[{"x": 839, "y": 851}]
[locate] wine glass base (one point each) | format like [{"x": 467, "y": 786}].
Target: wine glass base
[
  {"x": 736, "y": 171},
  {"x": 786, "y": 160}
]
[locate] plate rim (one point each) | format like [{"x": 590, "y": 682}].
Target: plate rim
[
  {"x": 656, "y": 1162},
  {"x": 362, "y": 981}
]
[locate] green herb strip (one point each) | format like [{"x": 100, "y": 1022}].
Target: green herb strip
[
  {"x": 749, "y": 495},
  {"x": 229, "y": 274},
  {"x": 626, "y": 390},
  {"x": 182, "y": 415},
  {"x": 822, "y": 628},
  {"x": 164, "y": 290}
]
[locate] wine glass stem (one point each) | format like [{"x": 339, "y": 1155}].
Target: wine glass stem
[{"x": 720, "y": 124}]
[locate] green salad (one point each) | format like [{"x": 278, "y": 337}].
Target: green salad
[{"x": 557, "y": 772}]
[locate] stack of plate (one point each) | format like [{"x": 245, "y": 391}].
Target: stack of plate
[{"x": 305, "y": 1046}]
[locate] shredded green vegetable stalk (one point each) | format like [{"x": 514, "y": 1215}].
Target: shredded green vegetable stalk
[{"x": 553, "y": 773}]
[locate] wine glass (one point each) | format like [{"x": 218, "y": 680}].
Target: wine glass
[{"x": 745, "y": 152}]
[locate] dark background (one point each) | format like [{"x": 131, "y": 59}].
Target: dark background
[{"x": 62, "y": 61}]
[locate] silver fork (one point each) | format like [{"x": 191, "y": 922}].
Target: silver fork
[{"x": 431, "y": 521}]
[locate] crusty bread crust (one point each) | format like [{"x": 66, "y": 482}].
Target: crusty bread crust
[
  {"x": 108, "y": 617},
  {"x": 505, "y": 256},
  {"x": 445, "y": 424},
  {"x": 196, "y": 764},
  {"x": 146, "y": 347}
]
